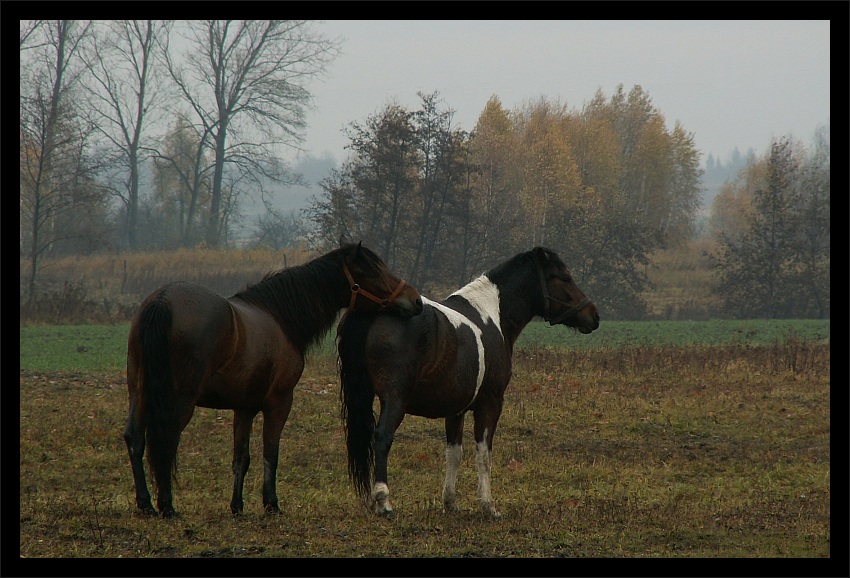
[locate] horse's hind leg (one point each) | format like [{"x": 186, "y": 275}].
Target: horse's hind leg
[
  {"x": 454, "y": 454},
  {"x": 164, "y": 496},
  {"x": 242, "y": 422},
  {"x": 134, "y": 436},
  {"x": 274, "y": 419}
]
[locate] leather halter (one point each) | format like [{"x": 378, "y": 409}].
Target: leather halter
[
  {"x": 358, "y": 290},
  {"x": 547, "y": 299}
]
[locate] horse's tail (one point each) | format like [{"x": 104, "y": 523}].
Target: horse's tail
[
  {"x": 159, "y": 404},
  {"x": 357, "y": 395}
]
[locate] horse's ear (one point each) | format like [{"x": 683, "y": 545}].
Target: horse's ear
[{"x": 540, "y": 254}]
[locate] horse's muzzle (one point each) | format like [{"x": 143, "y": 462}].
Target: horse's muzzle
[
  {"x": 409, "y": 308},
  {"x": 594, "y": 324}
]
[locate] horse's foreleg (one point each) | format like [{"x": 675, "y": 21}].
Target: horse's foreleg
[
  {"x": 242, "y": 422},
  {"x": 485, "y": 426},
  {"x": 391, "y": 417},
  {"x": 482, "y": 462},
  {"x": 134, "y": 436},
  {"x": 454, "y": 454},
  {"x": 274, "y": 419}
]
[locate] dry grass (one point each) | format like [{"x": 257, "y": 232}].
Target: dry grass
[
  {"x": 682, "y": 281},
  {"x": 665, "y": 452},
  {"x": 108, "y": 288}
]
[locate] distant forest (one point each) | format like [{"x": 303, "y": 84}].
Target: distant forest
[
  {"x": 314, "y": 169},
  {"x": 717, "y": 173}
]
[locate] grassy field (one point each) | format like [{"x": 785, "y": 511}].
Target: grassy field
[
  {"x": 668, "y": 439},
  {"x": 82, "y": 348}
]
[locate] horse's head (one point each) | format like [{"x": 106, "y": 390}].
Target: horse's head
[
  {"x": 374, "y": 287},
  {"x": 563, "y": 301}
]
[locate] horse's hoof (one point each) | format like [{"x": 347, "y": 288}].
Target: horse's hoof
[
  {"x": 490, "y": 511},
  {"x": 169, "y": 513},
  {"x": 147, "y": 511},
  {"x": 389, "y": 514},
  {"x": 382, "y": 508},
  {"x": 272, "y": 509}
]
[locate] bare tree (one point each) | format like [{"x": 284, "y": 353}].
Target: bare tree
[
  {"x": 245, "y": 83},
  {"x": 182, "y": 178},
  {"x": 50, "y": 145},
  {"x": 121, "y": 63},
  {"x": 28, "y": 32}
]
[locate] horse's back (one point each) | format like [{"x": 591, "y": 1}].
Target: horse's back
[{"x": 196, "y": 310}]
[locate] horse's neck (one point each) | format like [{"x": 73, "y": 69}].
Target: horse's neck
[
  {"x": 512, "y": 329},
  {"x": 516, "y": 314}
]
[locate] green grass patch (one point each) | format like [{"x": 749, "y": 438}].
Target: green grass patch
[
  {"x": 74, "y": 348},
  {"x": 619, "y": 334},
  {"x": 104, "y": 347}
]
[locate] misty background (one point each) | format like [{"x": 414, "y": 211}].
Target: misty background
[{"x": 447, "y": 145}]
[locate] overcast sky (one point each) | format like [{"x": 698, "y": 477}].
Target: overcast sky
[{"x": 730, "y": 83}]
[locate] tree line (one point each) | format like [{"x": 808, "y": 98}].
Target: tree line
[
  {"x": 604, "y": 186},
  {"x": 143, "y": 135}
]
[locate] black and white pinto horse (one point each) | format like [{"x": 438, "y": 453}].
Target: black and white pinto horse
[{"x": 452, "y": 358}]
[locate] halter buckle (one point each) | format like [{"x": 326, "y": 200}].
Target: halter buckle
[{"x": 356, "y": 290}]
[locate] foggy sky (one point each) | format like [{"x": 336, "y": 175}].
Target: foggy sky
[{"x": 731, "y": 83}]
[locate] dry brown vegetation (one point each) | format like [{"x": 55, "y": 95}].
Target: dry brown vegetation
[
  {"x": 108, "y": 288},
  {"x": 641, "y": 452},
  {"x": 682, "y": 282}
]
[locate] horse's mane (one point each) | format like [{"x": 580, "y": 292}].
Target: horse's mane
[
  {"x": 507, "y": 268},
  {"x": 521, "y": 258},
  {"x": 305, "y": 299}
]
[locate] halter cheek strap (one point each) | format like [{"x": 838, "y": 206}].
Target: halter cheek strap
[
  {"x": 570, "y": 312},
  {"x": 358, "y": 290}
]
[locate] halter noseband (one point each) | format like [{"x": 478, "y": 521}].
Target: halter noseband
[
  {"x": 358, "y": 290},
  {"x": 570, "y": 312}
]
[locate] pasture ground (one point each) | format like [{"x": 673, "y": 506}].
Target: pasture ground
[{"x": 665, "y": 451}]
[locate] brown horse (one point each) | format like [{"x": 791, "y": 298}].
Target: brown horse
[
  {"x": 453, "y": 358},
  {"x": 190, "y": 347}
]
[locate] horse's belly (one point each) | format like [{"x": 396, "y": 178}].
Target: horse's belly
[
  {"x": 435, "y": 400},
  {"x": 213, "y": 401}
]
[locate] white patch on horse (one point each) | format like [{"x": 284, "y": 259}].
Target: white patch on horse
[
  {"x": 483, "y": 295},
  {"x": 454, "y": 454},
  {"x": 457, "y": 320},
  {"x": 380, "y": 498},
  {"x": 482, "y": 461}
]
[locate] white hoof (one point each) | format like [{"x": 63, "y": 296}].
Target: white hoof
[
  {"x": 488, "y": 509},
  {"x": 380, "y": 500},
  {"x": 449, "y": 502}
]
